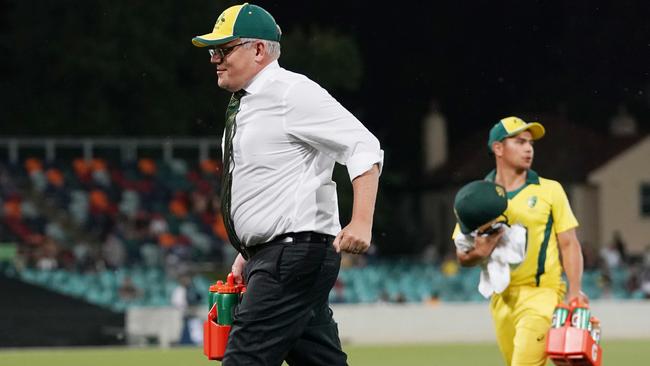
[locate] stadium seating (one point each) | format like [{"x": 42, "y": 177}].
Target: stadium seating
[{"x": 163, "y": 214}]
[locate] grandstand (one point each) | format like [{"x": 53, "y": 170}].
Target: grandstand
[
  {"x": 80, "y": 220},
  {"x": 118, "y": 223}
]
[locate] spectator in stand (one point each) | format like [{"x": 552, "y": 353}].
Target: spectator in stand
[
  {"x": 645, "y": 257},
  {"x": 178, "y": 205},
  {"x": 47, "y": 255},
  {"x": 644, "y": 282},
  {"x": 100, "y": 172},
  {"x": 147, "y": 167},
  {"x": 209, "y": 167},
  {"x": 157, "y": 225},
  {"x": 82, "y": 170},
  {"x": 33, "y": 165},
  {"x": 449, "y": 265},
  {"x": 611, "y": 257},
  {"x": 198, "y": 203},
  {"x": 185, "y": 294},
  {"x": 621, "y": 247},
  {"x": 114, "y": 252},
  {"x": 84, "y": 256},
  {"x": 128, "y": 291},
  {"x": 183, "y": 297},
  {"x": 55, "y": 189}
]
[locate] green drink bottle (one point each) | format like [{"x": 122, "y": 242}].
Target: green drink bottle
[
  {"x": 560, "y": 316},
  {"x": 227, "y": 298},
  {"x": 222, "y": 299},
  {"x": 580, "y": 314}
]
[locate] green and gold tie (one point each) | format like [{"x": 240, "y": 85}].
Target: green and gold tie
[{"x": 226, "y": 182}]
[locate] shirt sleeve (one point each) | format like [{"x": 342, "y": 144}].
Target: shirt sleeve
[
  {"x": 315, "y": 117},
  {"x": 561, "y": 209}
]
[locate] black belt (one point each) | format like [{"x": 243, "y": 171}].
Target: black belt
[{"x": 288, "y": 238}]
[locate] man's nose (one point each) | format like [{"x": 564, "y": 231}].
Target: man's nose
[{"x": 216, "y": 59}]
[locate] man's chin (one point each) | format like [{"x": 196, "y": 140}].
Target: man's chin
[
  {"x": 224, "y": 85},
  {"x": 526, "y": 166}
]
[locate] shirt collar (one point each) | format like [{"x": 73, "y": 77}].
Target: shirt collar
[
  {"x": 258, "y": 80},
  {"x": 531, "y": 176}
]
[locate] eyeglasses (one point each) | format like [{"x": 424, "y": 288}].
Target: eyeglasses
[{"x": 223, "y": 52}]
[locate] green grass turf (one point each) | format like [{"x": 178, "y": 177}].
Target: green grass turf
[{"x": 615, "y": 353}]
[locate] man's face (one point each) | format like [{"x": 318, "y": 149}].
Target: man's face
[
  {"x": 237, "y": 67},
  {"x": 517, "y": 151}
]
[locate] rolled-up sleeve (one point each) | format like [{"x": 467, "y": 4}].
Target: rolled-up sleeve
[{"x": 315, "y": 117}]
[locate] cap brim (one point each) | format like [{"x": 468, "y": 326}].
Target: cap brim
[
  {"x": 212, "y": 39},
  {"x": 536, "y": 130},
  {"x": 464, "y": 229}
]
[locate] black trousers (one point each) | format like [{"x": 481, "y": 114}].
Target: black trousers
[{"x": 285, "y": 314}]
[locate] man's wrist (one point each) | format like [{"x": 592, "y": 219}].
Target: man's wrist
[{"x": 361, "y": 221}]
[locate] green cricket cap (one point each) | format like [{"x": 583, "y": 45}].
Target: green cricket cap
[
  {"x": 240, "y": 21},
  {"x": 478, "y": 203},
  {"x": 512, "y": 126}
]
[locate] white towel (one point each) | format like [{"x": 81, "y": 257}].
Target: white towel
[{"x": 495, "y": 271}]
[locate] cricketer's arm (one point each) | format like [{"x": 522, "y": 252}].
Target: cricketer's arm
[
  {"x": 572, "y": 262},
  {"x": 483, "y": 247}
]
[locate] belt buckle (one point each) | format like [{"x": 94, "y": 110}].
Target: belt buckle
[{"x": 289, "y": 239}]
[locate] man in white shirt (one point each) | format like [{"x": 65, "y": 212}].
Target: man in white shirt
[{"x": 283, "y": 135}]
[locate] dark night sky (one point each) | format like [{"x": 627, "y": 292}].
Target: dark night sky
[
  {"x": 484, "y": 60},
  {"x": 119, "y": 67}
]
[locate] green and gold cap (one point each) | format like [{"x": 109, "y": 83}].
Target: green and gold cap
[
  {"x": 478, "y": 203},
  {"x": 241, "y": 21},
  {"x": 512, "y": 126}
]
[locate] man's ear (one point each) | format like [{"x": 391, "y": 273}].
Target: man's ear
[
  {"x": 497, "y": 148},
  {"x": 260, "y": 50}
]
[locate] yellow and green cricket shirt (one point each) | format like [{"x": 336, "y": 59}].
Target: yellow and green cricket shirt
[{"x": 542, "y": 207}]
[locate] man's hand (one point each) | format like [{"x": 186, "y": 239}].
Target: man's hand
[
  {"x": 354, "y": 238},
  {"x": 483, "y": 247},
  {"x": 238, "y": 268},
  {"x": 578, "y": 296}
]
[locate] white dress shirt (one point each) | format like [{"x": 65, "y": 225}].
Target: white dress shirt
[{"x": 289, "y": 134}]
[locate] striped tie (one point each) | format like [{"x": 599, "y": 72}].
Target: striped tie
[{"x": 226, "y": 183}]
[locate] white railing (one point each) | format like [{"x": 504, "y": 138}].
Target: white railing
[{"x": 127, "y": 147}]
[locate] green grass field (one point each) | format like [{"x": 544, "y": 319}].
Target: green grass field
[{"x": 615, "y": 353}]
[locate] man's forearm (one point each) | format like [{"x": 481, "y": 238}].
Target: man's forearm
[
  {"x": 365, "y": 194},
  {"x": 469, "y": 259},
  {"x": 483, "y": 247},
  {"x": 571, "y": 261}
]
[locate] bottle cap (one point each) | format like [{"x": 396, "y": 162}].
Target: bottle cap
[
  {"x": 594, "y": 320},
  {"x": 229, "y": 287},
  {"x": 215, "y": 287}
]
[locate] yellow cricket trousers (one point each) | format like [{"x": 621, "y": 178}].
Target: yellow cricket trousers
[{"x": 522, "y": 317}]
